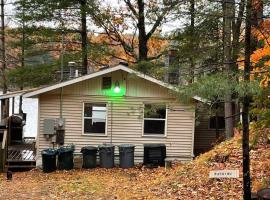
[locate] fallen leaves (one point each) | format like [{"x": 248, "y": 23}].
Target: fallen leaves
[{"x": 183, "y": 181}]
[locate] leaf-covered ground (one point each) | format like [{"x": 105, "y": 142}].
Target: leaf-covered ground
[{"x": 183, "y": 181}]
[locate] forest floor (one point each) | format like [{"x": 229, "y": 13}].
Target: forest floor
[{"x": 183, "y": 181}]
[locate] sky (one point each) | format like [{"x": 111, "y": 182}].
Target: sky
[{"x": 166, "y": 28}]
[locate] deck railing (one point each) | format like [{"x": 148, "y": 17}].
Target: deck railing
[{"x": 24, "y": 152}]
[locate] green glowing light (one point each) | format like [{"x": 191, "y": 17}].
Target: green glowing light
[{"x": 117, "y": 89}]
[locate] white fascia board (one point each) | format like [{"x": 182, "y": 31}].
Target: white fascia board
[{"x": 7, "y": 96}]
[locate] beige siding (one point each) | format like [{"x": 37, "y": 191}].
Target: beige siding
[
  {"x": 204, "y": 137},
  {"x": 135, "y": 87},
  {"x": 124, "y": 118}
]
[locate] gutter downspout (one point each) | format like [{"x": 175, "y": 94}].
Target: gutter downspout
[{"x": 111, "y": 122}]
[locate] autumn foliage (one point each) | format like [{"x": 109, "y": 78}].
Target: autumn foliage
[
  {"x": 183, "y": 181},
  {"x": 261, "y": 57}
]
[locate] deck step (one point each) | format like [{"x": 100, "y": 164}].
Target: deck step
[
  {"x": 20, "y": 166},
  {"x": 21, "y": 161}
]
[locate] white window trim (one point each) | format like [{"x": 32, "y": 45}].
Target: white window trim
[
  {"x": 106, "y": 120},
  {"x": 166, "y": 120}
]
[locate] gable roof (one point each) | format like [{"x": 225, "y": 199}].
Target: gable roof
[{"x": 96, "y": 74}]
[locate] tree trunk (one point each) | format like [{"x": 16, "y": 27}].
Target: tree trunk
[
  {"x": 236, "y": 49},
  {"x": 143, "y": 49},
  {"x": 228, "y": 20},
  {"x": 5, "y": 102},
  {"x": 3, "y": 47},
  {"x": 192, "y": 29},
  {"x": 23, "y": 57},
  {"x": 84, "y": 36},
  {"x": 216, "y": 121},
  {"x": 246, "y": 102}
]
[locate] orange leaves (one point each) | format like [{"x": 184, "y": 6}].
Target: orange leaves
[
  {"x": 183, "y": 181},
  {"x": 261, "y": 57},
  {"x": 260, "y": 54},
  {"x": 156, "y": 45}
]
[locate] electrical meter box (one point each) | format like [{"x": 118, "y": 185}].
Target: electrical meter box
[{"x": 49, "y": 125}]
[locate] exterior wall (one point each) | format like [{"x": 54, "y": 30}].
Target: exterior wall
[
  {"x": 204, "y": 137},
  {"x": 124, "y": 117}
]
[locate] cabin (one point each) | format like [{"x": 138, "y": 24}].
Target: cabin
[
  {"x": 119, "y": 105},
  {"x": 116, "y": 105}
]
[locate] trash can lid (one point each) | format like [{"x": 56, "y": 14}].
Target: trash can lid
[
  {"x": 154, "y": 145},
  {"x": 49, "y": 152},
  {"x": 126, "y": 146},
  {"x": 89, "y": 148},
  {"x": 65, "y": 149},
  {"x": 105, "y": 146}
]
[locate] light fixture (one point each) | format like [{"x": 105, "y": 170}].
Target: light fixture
[{"x": 117, "y": 88}]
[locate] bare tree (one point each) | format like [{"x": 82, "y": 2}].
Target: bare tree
[{"x": 140, "y": 18}]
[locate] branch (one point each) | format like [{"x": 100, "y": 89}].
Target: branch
[
  {"x": 155, "y": 57},
  {"x": 161, "y": 17},
  {"x": 131, "y": 7},
  {"x": 264, "y": 36}
]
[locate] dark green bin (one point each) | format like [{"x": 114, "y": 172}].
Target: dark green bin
[
  {"x": 126, "y": 155},
  {"x": 89, "y": 157},
  {"x": 65, "y": 158},
  {"x": 106, "y": 155},
  {"x": 49, "y": 160}
]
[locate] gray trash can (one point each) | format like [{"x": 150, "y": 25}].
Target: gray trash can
[
  {"x": 106, "y": 155},
  {"x": 89, "y": 157},
  {"x": 126, "y": 155}
]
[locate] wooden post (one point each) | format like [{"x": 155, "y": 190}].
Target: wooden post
[
  {"x": 13, "y": 105},
  {"x": 3, "y": 152}
]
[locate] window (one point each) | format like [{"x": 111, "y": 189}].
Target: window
[
  {"x": 154, "y": 119},
  {"x": 106, "y": 83},
  {"x": 217, "y": 122},
  {"x": 94, "y": 118}
]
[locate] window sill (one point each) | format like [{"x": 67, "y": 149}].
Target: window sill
[
  {"x": 155, "y": 136},
  {"x": 94, "y": 135}
]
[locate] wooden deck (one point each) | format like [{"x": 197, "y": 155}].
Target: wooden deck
[{"x": 25, "y": 152}]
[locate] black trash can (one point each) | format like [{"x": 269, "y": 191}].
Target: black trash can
[
  {"x": 264, "y": 194},
  {"x": 106, "y": 155},
  {"x": 154, "y": 154},
  {"x": 89, "y": 157},
  {"x": 126, "y": 155},
  {"x": 65, "y": 158},
  {"x": 49, "y": 160}
]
